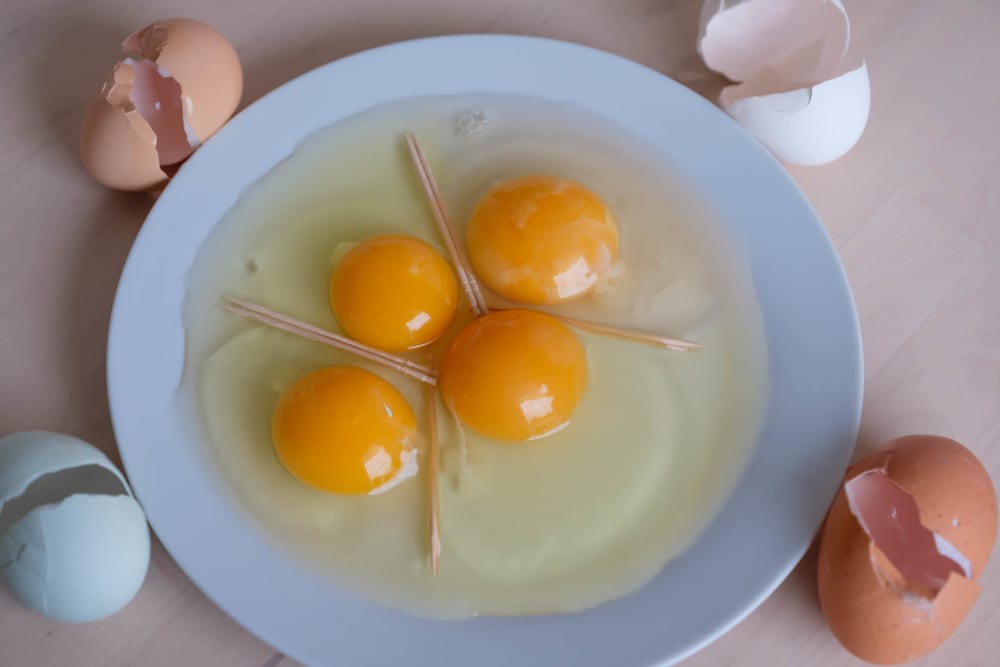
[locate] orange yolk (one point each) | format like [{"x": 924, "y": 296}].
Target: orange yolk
[
  {"x": 514, "y": 375},
  {"x": 541, "y": 239},
  {"x": 394, "y": 293},
  {"x": 343, "y": 429}
]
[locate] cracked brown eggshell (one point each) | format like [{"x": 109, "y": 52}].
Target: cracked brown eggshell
[
  {"x": 117, "y": 151},
  {"x": 204, "y": 63},
  {"x": 872, "y": 609},
  {"x": 178, "y": 82}
]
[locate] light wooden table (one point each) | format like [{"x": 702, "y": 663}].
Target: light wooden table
[{"x": 914, "y": 211}]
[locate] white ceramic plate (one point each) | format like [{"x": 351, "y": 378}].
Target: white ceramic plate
[{"x": 812, "y": 334}]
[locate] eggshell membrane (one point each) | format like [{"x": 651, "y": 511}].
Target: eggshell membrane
[
  {"x": 863, "y": 595},
  {"x": 804, "y": 40},
  {"x": 204, "y": 63},
  {"x": 808, "y": 126},
  {"x": 118, "y": 148},
  {"x": 158, "y": 100}
]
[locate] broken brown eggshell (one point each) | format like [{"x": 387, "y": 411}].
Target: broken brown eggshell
[
  {"x": 906, "y": 538},
  {"x": 178, "y": 83},
  {"x": 797, "y": 89}
]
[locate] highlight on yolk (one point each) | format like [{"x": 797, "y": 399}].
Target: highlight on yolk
[
  {"x": 394, "y": 293},
  {"x": 514, "y": 375},
  {"x": 345, "y": 430},
  {"x": 541, "y": 239}
]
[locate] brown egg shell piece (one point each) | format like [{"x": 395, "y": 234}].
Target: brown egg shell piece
[
  {"x": 202, "y": 61},
  {"x": 118, "y": 148},
  {"x": 136, "y": 122},
  {"x": 962, "y": 508},
  {"x": 930, "y": 504},
  {"x": 146, "y": 116}
]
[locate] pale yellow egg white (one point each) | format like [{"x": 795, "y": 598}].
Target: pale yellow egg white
[{"x": 567, "y": 522}]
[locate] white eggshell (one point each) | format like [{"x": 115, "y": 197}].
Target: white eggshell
[
  {"x": 809, "y": 126},
  {"x": 78, "y": 556},
  {"x": 804, "y": 40}
]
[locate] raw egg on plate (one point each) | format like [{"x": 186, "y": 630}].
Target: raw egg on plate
[
  {"x": 523, "y": 529},
  {"x": 394, "y": 293},
  {"x": 345, "y": 430},
  {"x": 514, "y": 375},
  {"x": 541, "y": 239}
]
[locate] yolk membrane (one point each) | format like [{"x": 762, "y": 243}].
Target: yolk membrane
[
  {"x": 514, "y": 375},
  {"x": 394, "y": 293},
  {"x": 541, "y": 239},
  {"x": 345, "y": 430}
]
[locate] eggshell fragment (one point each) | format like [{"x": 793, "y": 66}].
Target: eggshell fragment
[
  {"x": 797, "y": 93},
  {"x": 900, "y": 550},
  {"x": 118, "y": 149},
  {"x": 204, "y": 63},
  {"x": 807, "y": 126},
  {"x": 179, "y": 82},
  {"x": 804, "y": 40},
  {"x": 157, "y": 99},
  {"x": 74, "y": 544}
]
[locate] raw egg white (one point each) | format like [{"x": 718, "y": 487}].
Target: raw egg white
[{"x": 641, "y": 445}]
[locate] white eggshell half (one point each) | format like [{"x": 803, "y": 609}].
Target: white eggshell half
[
  {"x": 81, "y": 560},
  {"x": 80, "y": 557},
  {"x": 809, "y": 126}
]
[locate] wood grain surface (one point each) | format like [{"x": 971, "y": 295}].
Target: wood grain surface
[{"x": 914, "y": 210}]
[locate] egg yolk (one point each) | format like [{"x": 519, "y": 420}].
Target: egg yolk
[
  {"x": 345, "y": 430},
  {"x": 394, "y": 293},
  {"x": 514, "y": 375},
  {"x": 541, "y": 239}
]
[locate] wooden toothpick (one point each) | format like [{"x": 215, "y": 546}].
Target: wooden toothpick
[
  {"x": 434, "y": 512},
  {"x": 273, "y": 318},
  {"x": 676, "y": 344},
  {"x": 458, "y": 258}
]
